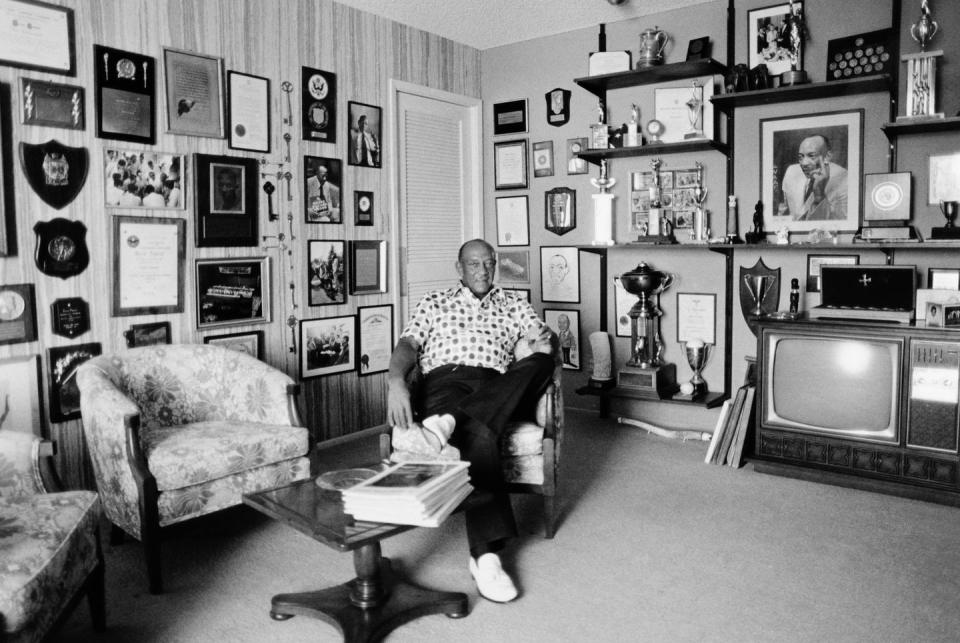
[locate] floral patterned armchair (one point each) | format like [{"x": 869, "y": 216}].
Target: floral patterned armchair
[
  {"x": 49, "y": 543},
  {"x": 179, "y": 431}
]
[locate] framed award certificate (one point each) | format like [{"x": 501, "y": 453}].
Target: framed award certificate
[
  {"x": 148, "y": 256},
  {"x": 37, "y": 35},
  {"x": 248, "y": 112}
]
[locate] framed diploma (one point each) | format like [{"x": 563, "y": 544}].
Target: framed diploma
[
  {"x": 194, "y": 87},
  {"x": 513, "y": 221},
  {"x": 148, "y": 256},
  {"x": 248, "y": 112},
  {"x": 368, "y": 267},
  {"x": 18, "y": 314},
  {"x": 126, "y": 97},
  {"x": 375, "y": 330},
  {"x": 696, "y": 317},
  {"x": 37, "y": 35},
  {"x": 510, "y": 164}
]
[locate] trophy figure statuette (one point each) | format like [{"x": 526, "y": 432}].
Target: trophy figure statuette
[
  {"x": 633, "y": 135},
  {"x": 599, "y": 132},
  {"x": 603, "y": 208},
  {"x": 695, "y": 105},
  {"x": 921, "y": 101},
  {"x": 796, "y": 29},
  {"x": 701, "y": 230}
]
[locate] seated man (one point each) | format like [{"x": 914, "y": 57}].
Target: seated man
[{"x": 464, "y": 339}]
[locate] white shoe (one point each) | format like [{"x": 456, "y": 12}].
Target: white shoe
[{"x": 494, "y": 583}]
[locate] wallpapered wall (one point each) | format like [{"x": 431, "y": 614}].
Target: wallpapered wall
[{"x": 269, "y": 39}]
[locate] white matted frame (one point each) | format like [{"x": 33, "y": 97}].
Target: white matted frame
[
  {"x": 697, "y": 317},
  {"x": 815, "y": 261},
  {"x": 194, "y": 93},
  {"x": 327, "y": 346},
  {"x": 20, "y": 387},
  {"x": 560, "y": 274},
  {"x": 513, "y": 221},
  {"x": 766, "y": 38},
  {"x": 943, "y": 183}
]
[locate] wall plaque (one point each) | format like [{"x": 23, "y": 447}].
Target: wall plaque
[
  {"x": 318, "y": 96},
  {"x": 18, "y": 314},
  {"x": 51, "y": 104},
  {"x": 55, "y": 171},
  {"x": 70, "y": 317},
  {"x": 61, "y": 249}
]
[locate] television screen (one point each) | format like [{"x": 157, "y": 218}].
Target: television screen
[{"x": 841, "y": 386}]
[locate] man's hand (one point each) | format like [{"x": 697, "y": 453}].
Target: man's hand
[
  {"x": 540, "y": 342},
  {"x": 399, "y": 410},
  {"x": 820, "y": 176}
]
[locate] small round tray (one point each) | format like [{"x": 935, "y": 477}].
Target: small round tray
[{"x": 343, "y": 478}]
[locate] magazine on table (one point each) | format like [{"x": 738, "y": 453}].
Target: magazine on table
[{"x": 413, "y": 478}]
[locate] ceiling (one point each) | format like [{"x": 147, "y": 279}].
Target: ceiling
[{"x": 491, "y": 23}]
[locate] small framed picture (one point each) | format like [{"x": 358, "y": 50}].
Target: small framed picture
[
  {"x": 227, "y": 201},
  {"x": 560, "y": 210},
  {"x": 543, "y": 158},
  {"x": 368, "y": 267},
  {"x": 698, "y": 48},
  {"x": 20, "y": 382},
  {"x": 327, "y": 272},
  {"x": 510, "y": 117},
  {"x": 375, "y": 332},
  {"x": 366, "y": 125},
  {"x": 38, "y": 35},
  {"x": 513, "y": 266},
  {"x": 148, "y": 256},
  {"x": 250, "y": 342},
  {"x": 815, "y": 261},
  {"x": 513, "y": 221},
  {"x": 248, "y": 112},
  {"x": 125, "y": 95},
  {"x": 194, "y": 86},
  {"x": 63, "y": 362},
  {"x": 943, "y": 278},
  {"x": 52, "y": 104},
  {"x": 318, "y": 105},
  {"x": 886, "y": 196},
  {"x": 560, "y": 274},
  {"x": 327, "y": 346},
  {"x": 575, "y": 164},
  {"x": 566, "y": 323},
  {"x": 232, "y": 291},
  {"x": 510, "y": 165},
  {"x": 321, "y": 189},
  {"x": 363, "y": 208},
  {"x": 142, "y": 179},
  {"x": 943, "y": 172},
  {"x": 768, "y": 31},
  {"x": 147, "y": 334},
  {"x": 18, "y": 313},
  {"x": 522, "y": 293}
]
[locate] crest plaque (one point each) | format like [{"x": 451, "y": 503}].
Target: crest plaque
[
  {"x": 55, "y": 171},
  {"x": 759, "y": 292},
  {"x": 61, "y": 249}
]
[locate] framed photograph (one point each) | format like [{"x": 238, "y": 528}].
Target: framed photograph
[
  {"x": 513, "y": 266},
  {"x": 363, "y": 208},
  {"x": 510, "y": 165},
  {"x": 327, "y": 272},
  {"x": 126, "y": 95},
  {"x": 20, "y": 383},
  {"x": 697, "y": 317},
  {"x": 368, "y": 267},
  {"x": 375, "y": 332},
  {"x": 522, "y": 293},
  {"x": 227, "y": 201},
  {"x": 147, "y": 334},
  {"x": 860, "y": 55},
  {"x": 560, "y": 274},
  {"x": 543, "y": 158},
  {"x": 560, "y": 210},
  {"x": 815, "y": 261},
  {"x": 366, "y": 134},
  {"x": 810, "y": 169},
  {"x": 250, "y": 342},
  {"x": 18, "y": 314},
  {"x": 566, "y": 323},
  {"x": 944, "y": 170},
  {"x": 63, "y": 362},
  {"x": 37, "y": 35},
  {"x": 318, "y": 105},
  {"x": 769, "y": 38},
  {"x": 943, "y": 278},
  {"x": 321, "y": 189},
  {"x": 248, "y": 112},
  {"x": 144, "y": 179},
  {"x": 52, "y": 104},
  {"x": 886, "y": 197},
  {"x": 327, "y": 346},
  {"x": 575, "y": 164},
  {"x": 194, "y": 86},
  {"x": 510, "y": 117},
  {"x": 148, "y": 257},
  {"x": 672, "y": 107},
  {"x": 622, "y": 303},
  {"x": 513, "y": 221},
  {"x": 698, "y": 48},
  {"x": 232, "y": 291}
]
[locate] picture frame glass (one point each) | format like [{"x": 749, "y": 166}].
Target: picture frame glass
[
  {"x": 144, "y": 179},
  {"x": 543, "y": 159},
  {"x": 232, "y": 291},
  {"x": 376, "y": 338},
  {"x": 513, "y": 266},
  {"x": 248, "y": 113},
  {"x": 575, "y": 164},
  {"x": 321, "y": 181},
  {"x": 148, "y": 256},
  {"x": 368, "y": 267},
  {"x": 327, "y": 346},
  {"x": 194, "y": 93},
  {"x": 513, "y": 221},
  {"x": 366, "y": 134},
  {"x": 560, "y": 274},
  {"x": 510, "y": 164},
  {"x": 227, "y": 201},
  {"x": 566, "y": 324},
  {"x": 327, "y": 272},
  {"x": 769, "y": 41}
]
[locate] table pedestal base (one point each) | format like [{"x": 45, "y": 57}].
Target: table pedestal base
[{"x": 371, "y": 605}]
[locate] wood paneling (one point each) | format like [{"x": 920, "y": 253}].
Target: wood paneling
[{"x": 262, "y": 37}]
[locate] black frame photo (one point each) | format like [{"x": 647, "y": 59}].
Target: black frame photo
[
  {"x": 510, "y": 117},
  {"x": 249, "y": 342},
  {"x": 327, "y": 272},
  {"x": 375, "y": 339},
  {"x": 569, "y": 337},
  {"x": 147, "y": 334},
  {"x": 63, "y": 362},
  {"x": 362, "y": 208},
  {"x": 194, "y": 93},
  {"x": 232, "y": 291},
  {"x": 768, "y": 43},
  {"x": 368, "y": 267},
  {"x": 560, "y": 210},
  {"x": 322, "y": 198},
  {"x": 227, "y": 201},
  {"x": 126, "y": 95},
  {"x": 327, "y": 346},
  {"x": 53, "y": 51},
  {"x": 366, "y": 134}
]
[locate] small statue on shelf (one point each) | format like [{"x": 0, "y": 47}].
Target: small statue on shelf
[{"x": 757, "y": 234}]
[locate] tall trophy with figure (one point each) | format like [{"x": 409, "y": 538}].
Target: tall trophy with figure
[
  {"x": 603, "y": 208},
  {"x": 695, "y": 107},
  {"x": 922, "y": 70}
]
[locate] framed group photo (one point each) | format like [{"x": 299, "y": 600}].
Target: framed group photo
[
  {"x": 194, "y": 93},
  {"x": 232, "y": 291},
  {"x": 366, "y": 138},
  {"x": 327, "y": 272},
  {"x": 327, "y": 346},
  {"x": 227, "y": 201},
  {"x": 321, "y": 189},
  {"x": 144, "y": 179},
  {"x": 560, "y": 274},
  {"x": 769, "y": 38}
]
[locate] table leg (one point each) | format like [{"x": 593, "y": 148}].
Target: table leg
[{"x": 371, "y": 605}]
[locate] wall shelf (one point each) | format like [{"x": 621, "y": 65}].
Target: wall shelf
[
  {"x": 598, "y": 85},
  {"x": 651, "y": 149},
  {"x": 727, "y": 103},
  {"x": 892, "y": 130}
]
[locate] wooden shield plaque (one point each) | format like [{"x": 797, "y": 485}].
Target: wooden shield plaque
[
  {"x": 61, "y": 248},
  {"x": 55, "y": 171}
]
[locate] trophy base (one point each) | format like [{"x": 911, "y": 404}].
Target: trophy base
[
  {"x": 919, "y": 118},
  {"x": 797, "y": 77},
  {"x": 693, "y": 135},
  {"x": 945, "y": 233},
  {"x": 656, "y": 238},
  {"x": 601, "y": 385},
  {"x": 653, "y": 382}
]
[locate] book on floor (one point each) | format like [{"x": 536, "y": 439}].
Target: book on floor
[
  {"x": 735, "y": 454},
  {"x": 718, "y": 431}
]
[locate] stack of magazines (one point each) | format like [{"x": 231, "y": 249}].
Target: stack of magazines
[{"x": 410, "y": 493}]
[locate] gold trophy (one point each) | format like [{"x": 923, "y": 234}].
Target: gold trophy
[
  {"x": 697, "y": 355},
  {"x": 922, "y": 70}
]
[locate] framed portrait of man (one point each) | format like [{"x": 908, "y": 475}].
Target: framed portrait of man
[
  {"x": 366, "y": 138},
  {"x": 321, "y": 182},
  {"x": 227, "y": 200}
]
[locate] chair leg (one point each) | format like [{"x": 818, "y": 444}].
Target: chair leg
[
  {"x": 151, "y": 552},
  {"x": 549, "y": 516},
  {"x": 96, "y": 597}
]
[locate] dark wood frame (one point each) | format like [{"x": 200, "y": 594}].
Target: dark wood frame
[
  {"x": 354, "y": 111},
  {"x": 136, "y": 333},
  {"x": 35, "y": 92},
  {"x": 28, "y": 333},
  {"x": 353, "y": 263},
  {"x": 71, "y": 69},
  {"x": 360, "y": 354},
  {"x": 217, "y": 340},
  {"x": 334, "y": 176},
  {"x": 233, "y": 228},
  {"x": 506, "y": 107},
  {"x": 358, "y": 216},
  {"x": 314, "y": 246},
  {"x": 231, "y": 126},
  {"x": 309, "y": 131},
  {"x": 103, "y": 83},
  {"x": 61, "y": 378},
  {"x": 265, "y": 283},
  {"x": 349, "y": 325},
  {"x": 118, "y": 309},
  {"x": 497, "y": 146},
  {"x": 207, "y": 129}
]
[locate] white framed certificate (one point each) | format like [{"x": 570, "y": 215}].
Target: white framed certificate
[
  {"x": 696, "y": 317},
  {"x": 248, "y": 112},
  {"x": 148, "y": 256},
  {"x": 37, "y": 35},
  {"x": 513, "y": 221},
  {"x": 510, "y": 165}
]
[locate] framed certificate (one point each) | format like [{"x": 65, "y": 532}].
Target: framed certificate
[
  {"x": 148, "y": 256},
  {"x": 513, "y": 221},
  {"x": 194, "y": 87},
  {"x": 510, "y": 164},
  {"x": 248, "y": 112},
  {"x": 696, "y": 317},
  {"x": 37, "y": 35},
  {"x": 375, "y": 331}
]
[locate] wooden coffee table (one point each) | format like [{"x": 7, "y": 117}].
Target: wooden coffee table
[{"x": 374, "y": 603}]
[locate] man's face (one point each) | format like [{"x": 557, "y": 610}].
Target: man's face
[
  {"x": 322, "y": 174},
  {"x": 558, "y": 269},
  {"x": 563, "y": 323},
  {"x": 476, "y": 268},
  {"x": 227, "y": 184},
  {"x": 812, "y": 155}
]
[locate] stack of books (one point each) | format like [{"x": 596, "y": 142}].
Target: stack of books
[
  {"x": 410, "y": 493},
  {"x": 730, "y": 434}
]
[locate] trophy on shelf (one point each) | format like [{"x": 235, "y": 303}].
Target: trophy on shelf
[
  {"x": 652, "y": 43},
  {"x": 950, "y": 229},
  {"x": 646, "y": 374},
  {"x": 701, "y": 230},
  {"x": 599, "y": 133},
  {"x": 759, "y": 292},
  {"x": 695, "y": 105},
  {"x": 697, "y": 354},
  {"x": 603, "y": 208},
  {"x": 922, "y": 70},
  {"x": 633, "y": 136},
  {"x": 795, "y": 28},
  {"x": 657, "y": 229}
]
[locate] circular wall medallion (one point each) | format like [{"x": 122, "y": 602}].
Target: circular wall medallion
[
  {"x": 887, "y": 195},
  {"x": 12, "y": 305},
  {"x": 364, "y": 203},
  {"x": 318, "y": 86}
]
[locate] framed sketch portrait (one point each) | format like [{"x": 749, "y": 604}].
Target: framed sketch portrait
[
  {"x": 560, "y": 274},
  {"x": 769, "y": 38},
  {"x": 327, "y": 272},
  {"x": 227, "y": 201},
  {"x": 232, "y": 291},
  {"x": 810, "y": 171},
  {"x": 321, "y": 189},
  {"x": 327, "y": 346},
  {"x": 566, "y": 324},
  {"x": 249, "y": 342},
  {"x": 560, "y": 210},
  {"x": 144, "y": 179},
  {"x": 366, "y": 138}
]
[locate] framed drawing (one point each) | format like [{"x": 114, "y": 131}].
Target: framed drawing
[
  {"x": 248, "y": 112},
  {"x": 510, "y": 117},
  {"x": 250, "y": 342},
  {"x": 375, "y": 344},
  {"x": 318, "y": 105},
  {"x": 321, "y": 189},
  {"x": 147, "y": 334},
  {"x": 815, "y": 261},
  {"x": 37, "y": 35},
  {"x": 125, "y": 94},
  {"x": 566, "y": 323},
  {"x": 194, "y": 88},
  {"x": 63, "y": 362},
  {"x": 560, "y": 274},
  {"x": 543, "y": 158},
  {"x": 148, "y": 256},
  {"x": 810, "y": 169},
  {"x": 366, "y": 138},
  {"x": 513, "y": 221},
  {"x": 943, "y": 278},
  {"x": 143, "y": 179},
  {"x": 227, "y": 201},
  {"x": 327, "y": 272},
  {"x": 769, "y": 41},
  {"x": 52, "y": 104},
  {"x": 362, "y": 208},
  {"x": 18, "y": 314},
  {"x": 513, "y": 266},
  {"x": 522, "y": 293},
  {"x": 368, "y": 267},
  {"x": 327, "y": 346},
  {"x": 232, "y": 291},
  {"x": 20, "y": 383},
  {"x": 510, "y": 164},
  {"x": 560, "y": 210}
]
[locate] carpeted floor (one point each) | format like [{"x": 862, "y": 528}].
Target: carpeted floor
[{"x": 653, "y": 545}]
